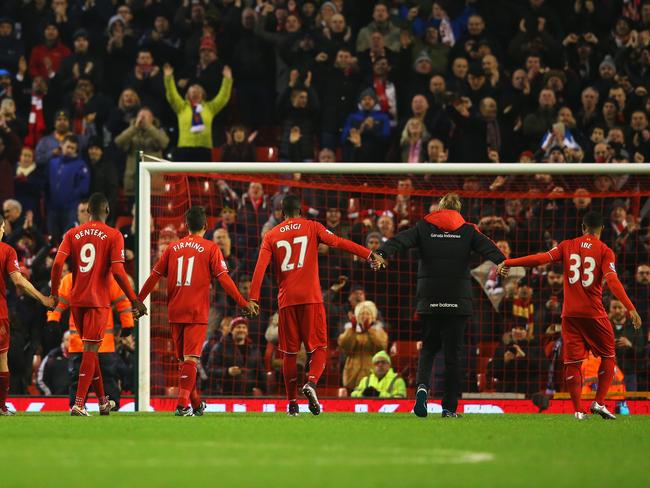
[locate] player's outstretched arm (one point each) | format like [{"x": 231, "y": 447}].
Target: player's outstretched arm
[
  {"x": 529, "y": 261},
  {"x": 332, "y": 240},
  {"x": 618, "y": 291},
  {"x": 117, "y": 269},
  {"x": 55, "y": 274},
  {"x": 21, "y": 282},
  {"x": 148, "y": 286},
  {"x": 233, "y": 292},
  {"x": 263, "y": 260}
]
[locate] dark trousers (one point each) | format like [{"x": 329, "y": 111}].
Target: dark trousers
[
  {"x": 444, "y": 332},
  {"x": 108, "y": 362},
  {"x": 192, "y": 154}
]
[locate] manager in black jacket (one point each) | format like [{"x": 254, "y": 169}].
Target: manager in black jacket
[{"x": 444, "y": 291}]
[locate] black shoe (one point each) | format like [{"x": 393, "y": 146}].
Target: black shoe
[
  {"x": 293, "y": 410},
  {"x": 309, "y": 390},
  {"x": 200, "y": 410},
  {"x": 420, "y": 407},
  {"x": 450, "y": 414},
  {"x": 184, "y": 412}
]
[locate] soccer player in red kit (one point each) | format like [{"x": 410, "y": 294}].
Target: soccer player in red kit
[
  {"x": 585, "y": 324},
  {"x": 189, "y": 265},
  {"x": 293, "y": 247},
  {"x": 9, "y": 267},
  {"x": 96, "y": 251}
]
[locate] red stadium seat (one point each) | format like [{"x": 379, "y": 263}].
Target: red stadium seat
[
  {"x": 485, "y": 353},
  {"x": 265, "y": 154},
  {"x": 216, "y": 154}
]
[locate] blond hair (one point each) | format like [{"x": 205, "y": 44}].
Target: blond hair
[
  {"x": 451, "y": 201},
  {"x": 370, "y": 307}
]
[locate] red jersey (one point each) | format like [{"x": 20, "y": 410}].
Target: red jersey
[
  {"x": 8, "y": 264},
  {"x": 190, "y": 264},
  {"x": 93, "y": 248},
  {"x": 293, "y": 246},
  {"x": 587, "y": 260}
]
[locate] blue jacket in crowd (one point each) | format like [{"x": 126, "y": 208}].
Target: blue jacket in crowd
[{"x": 69, "y": 181}]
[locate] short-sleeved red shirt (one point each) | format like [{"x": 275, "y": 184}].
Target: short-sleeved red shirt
[
  {"x": 587, "y": 260},
  {"x": 93, "y": 247},
  {"x": 189, "y": 265},
  {"x": 293, "y": 247},
  {"x": 8, "y": 264}
]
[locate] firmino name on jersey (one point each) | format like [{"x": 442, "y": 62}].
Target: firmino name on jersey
[
  {"x": 91, "y": 232},
  {"x": 188, "y": 244},
  {"x": 288, "y": 227}
]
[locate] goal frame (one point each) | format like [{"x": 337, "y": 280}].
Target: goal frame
[{"x": 150, "y": 165}]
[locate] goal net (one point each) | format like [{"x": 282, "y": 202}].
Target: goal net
[{"x": 513, "y": 339}]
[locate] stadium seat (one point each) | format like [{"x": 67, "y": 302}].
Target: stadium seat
[
  {"x": 404, "y": 355},
  {"x": 485, "y": 353},
  {"x": 266, "y": 154}
]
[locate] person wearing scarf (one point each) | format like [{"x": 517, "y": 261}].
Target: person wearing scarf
[{"x": 195, "y": 115}]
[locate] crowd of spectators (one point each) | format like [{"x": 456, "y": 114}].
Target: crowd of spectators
[{"x": 87, "y": 84}]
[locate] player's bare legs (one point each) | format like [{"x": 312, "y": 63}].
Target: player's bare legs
[
  {"x": 187, "y": 386},
  {"x": 316, "y": 368},
  {"x": 290, "y": 374},
  {"x": 4, "y": 384},
  {"x": 605, "y": 378},
  {"x": 573, "y": 381}
]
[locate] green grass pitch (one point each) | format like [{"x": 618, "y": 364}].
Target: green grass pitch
[{"x": 334, "y": 450}]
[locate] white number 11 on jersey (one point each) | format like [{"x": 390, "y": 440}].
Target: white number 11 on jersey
[
  {"x": 188, "y": 275},
  {"x": 286, "y": 265}
]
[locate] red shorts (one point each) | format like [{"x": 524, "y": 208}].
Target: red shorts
[
  {"x": 91, "y": 322},
  {"x": 302, "y": 323},
  {"x": 189, "y": 339},
  {"x": 4, "y": 335},
  {"x": 581, "y": 335}
]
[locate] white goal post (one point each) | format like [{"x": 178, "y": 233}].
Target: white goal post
[{"x": 151, "y": 165}]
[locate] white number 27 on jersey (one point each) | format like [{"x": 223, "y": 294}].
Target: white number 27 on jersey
[
  {"x": 286, "y": 264},
  {"x": 587, "y": 270}
]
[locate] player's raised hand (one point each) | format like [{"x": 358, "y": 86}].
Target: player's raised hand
[
  {"x": 636, "y": 319},
  {"x": 252, "y": 309},
  {"x": 139, "y": 309}
]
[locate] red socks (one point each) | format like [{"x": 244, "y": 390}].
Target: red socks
[
  {"x": 573, "y": 382},
  {"x": 195, "y": 398},
  {"x": 4, "y": 389},
  {"x": 86, "y": 375},
  {"x": 187, "y": 383},
  {"x": 317, "y": 365},
  {"x": 98, "y": 382},
  {"x": 605, "y": 378},
  {"x": 290, "y": 373}
]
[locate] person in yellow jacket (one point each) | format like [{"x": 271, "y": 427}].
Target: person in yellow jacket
[
  {"x": 195, "y": 115},
  {"x": 383, "y": 382},
  {"x": 108, "y": 359}
]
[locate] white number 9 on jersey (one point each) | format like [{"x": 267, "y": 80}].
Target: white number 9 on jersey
[
  {"x": 587, "y": 270},
  {"x": 87, "y": 257}
]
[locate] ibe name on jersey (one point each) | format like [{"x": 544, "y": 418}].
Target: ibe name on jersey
[
  {"x": 91, "y": 232},
  {"x": 188, "y": 245},
  {"x": 586, "y": 245}
]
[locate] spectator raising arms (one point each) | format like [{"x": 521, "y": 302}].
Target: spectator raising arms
[{"x": 195, "y": 115}]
